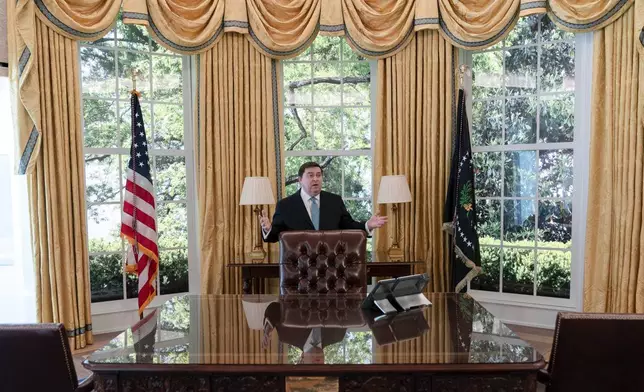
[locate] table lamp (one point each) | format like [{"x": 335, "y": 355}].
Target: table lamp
[
  {"x": 257, "y": 191},
  {"x": 394, "y": 190}
]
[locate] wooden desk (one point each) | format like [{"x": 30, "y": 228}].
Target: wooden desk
[
  {"x": 214, "y": 343},
  {"x": 253, "y": 272}
]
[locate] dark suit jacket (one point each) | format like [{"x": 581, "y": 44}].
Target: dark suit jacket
[
  {"x": 298, "y": 336},
  {"x": 291, "y": 214}
]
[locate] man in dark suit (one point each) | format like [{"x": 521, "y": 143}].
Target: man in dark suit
[{"x": 310, "y": 208}]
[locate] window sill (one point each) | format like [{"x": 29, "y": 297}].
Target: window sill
[
  {"x": 128, "y": 305},
  {"x": 559, "y": 304}
]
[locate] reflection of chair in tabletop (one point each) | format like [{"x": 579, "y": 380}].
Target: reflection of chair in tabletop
[{"x": 314, "y": 322}]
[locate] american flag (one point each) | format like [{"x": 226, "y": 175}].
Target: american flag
[{"x": 138, "y": 219}]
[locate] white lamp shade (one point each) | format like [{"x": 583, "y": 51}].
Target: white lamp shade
[
  {"x": 257, "y": 191},
  {"x": 393, "y": 189},
  {"x": 254, "y": 311}
]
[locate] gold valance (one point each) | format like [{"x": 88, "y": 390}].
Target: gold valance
[
  {"x": 87, "y": 20},
  {"x": 374, "y": 28}
]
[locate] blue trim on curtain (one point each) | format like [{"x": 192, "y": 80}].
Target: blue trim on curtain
[
  {"x": 276, "y": 130},
  {"x": 28, "y": 151}
]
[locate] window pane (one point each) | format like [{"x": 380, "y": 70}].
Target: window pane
[
  {"x": 298, "y": 124},
  {"x": 170, "y": 179},
  {"x": 555, "y": 224},
  {"x": 360, "y": 210},
  {"x": 172, "y": 221},
  {"x": 357, "y": 176},
  {"x": 332, "y": 169},
  {"x": 356, "y": 83},
  {"x": 326, "y": 48},
  {"x": 326, "y": 90},
  {"x": 348, "y": 54},
  {"x": 550, "y": 32},
  {"x": 297, "y": 83},
  {"x": 99, "y": 120},
  {"x": 107, "y": 40},
  {"x": 132, "y": 285},
  {"x": 98, "y": 72},
  {"x": 553, "y": 273},
  {"x": 104, "y": 228},
  {"x": 524, "y": 32},
  {"x": 521, "y": 120},
  {"x": 488, "y": 280},
  {"x": 558, "y": 67},
  {"x": 488, "y": 220},
  {"x": 168, "y": 83},
  {"x": 557, "y": 119},
  {"x": 102, "y": 178},
  {"x": 487, "y": 171},
  {"x": 140, "y": 62},
  {"x": 327, "y": 131},
  {"x": 487, "y": 122},
  {"x": 357, "y": 128},
  {"x": 518, "y": 271},
  {"x": 168, "y": 127},
  {"x": 174, "y": 271},
  {"x": 518, "y": 222},
  {"x": 556, "y": 173},
  {"x": 106, "y": 277},
  {"x": 487, "y": 74},
  {"x": 131, "y": 36},
  {"x": 520, "y": 176},
  {"x": 521, "y": 71},
  {"x": 125, "y": 121}
]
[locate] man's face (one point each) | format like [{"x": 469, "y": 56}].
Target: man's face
[{"x": 311, "y": 181}]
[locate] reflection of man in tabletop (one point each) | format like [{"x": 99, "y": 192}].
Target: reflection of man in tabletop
[{"x": 310, "y": 340}]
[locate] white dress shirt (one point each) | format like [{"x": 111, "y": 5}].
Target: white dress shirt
[{"x": 306, "y": 198}]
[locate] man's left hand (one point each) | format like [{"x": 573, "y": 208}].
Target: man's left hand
[{"x": 376, "y": 221}]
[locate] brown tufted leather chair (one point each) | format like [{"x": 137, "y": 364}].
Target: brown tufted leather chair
[
  {"x": 36, "y": 357},
  {"x": 596, "y": 352},
  {"x": 323, "y": 262}
]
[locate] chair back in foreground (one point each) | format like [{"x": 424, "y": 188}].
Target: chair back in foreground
[
  {"x": 596, "y": 352},
  {"x": 36, "y": 357}
]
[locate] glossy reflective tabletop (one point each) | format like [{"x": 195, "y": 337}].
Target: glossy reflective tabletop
[{"x": 317, "y": 331}]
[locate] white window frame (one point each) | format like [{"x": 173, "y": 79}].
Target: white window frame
[
  {"x": 580, "y": 145},
  {"x": 188, "y": 77},
  {"x": 373, "y": 67}
]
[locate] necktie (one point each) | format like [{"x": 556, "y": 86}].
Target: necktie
[{"x": 315, "y": 213}]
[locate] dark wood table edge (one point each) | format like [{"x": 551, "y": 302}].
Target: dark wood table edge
[{"x": 321, "y": 370}]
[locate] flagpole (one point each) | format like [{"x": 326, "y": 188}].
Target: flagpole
[{"x": 135, "y": 247}]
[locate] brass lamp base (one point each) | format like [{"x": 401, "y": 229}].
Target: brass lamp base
[
  {"x": 258, "y": 254},
  {"x": 395, "y": 253}
]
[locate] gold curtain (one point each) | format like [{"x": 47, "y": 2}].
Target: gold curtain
[
  {"x": 45, "y": 78},
  {"x": 614, "y": 265},
  {"x": 57, "y": 194},
  {"x": 639, "y": 24},
  {"x": 413, "y": 137},
  {"x": 238, "y": 134}
]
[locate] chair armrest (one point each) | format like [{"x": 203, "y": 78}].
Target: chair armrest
[
  {"x": 87, "y": 385},
  {"x": 543, "y": 377}
]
